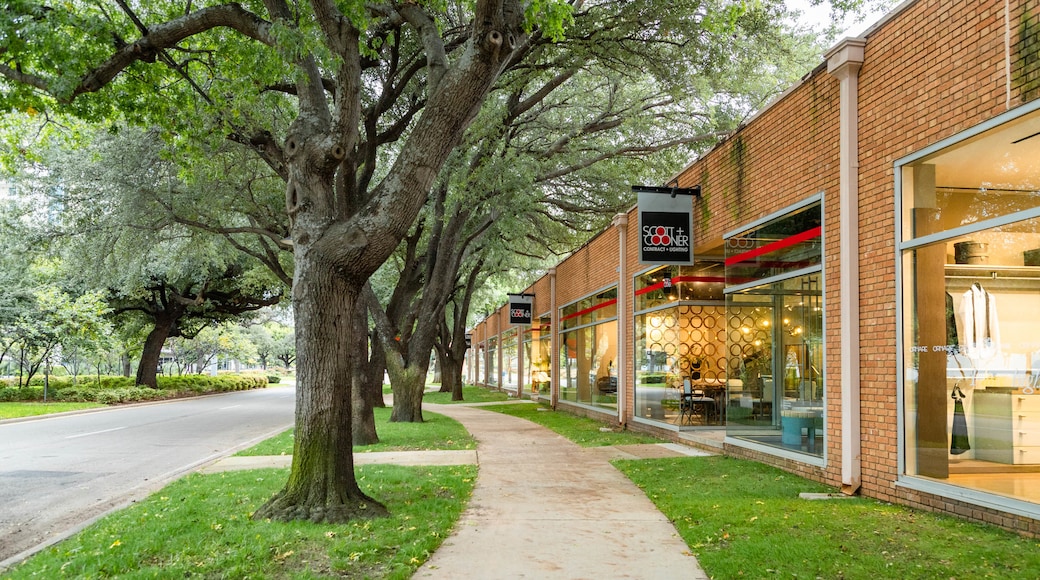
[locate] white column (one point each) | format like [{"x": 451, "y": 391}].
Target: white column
[
  {"x": 554, "y": 342},
  {"x": 844, "y": 62},
  {"x": 621, "y": 223}
]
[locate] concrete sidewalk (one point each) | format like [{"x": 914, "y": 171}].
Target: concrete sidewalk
[{"x": 544, "y": 507}]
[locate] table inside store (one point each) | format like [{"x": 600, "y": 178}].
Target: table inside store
[{"x": 703, "y": 400}]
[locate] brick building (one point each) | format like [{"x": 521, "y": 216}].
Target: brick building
[{"x": 864, "y": 298}]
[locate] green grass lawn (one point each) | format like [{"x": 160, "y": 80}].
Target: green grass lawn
[
  {"x": 436, "y": 432},
  {"x": 583, "y": 431},
  {"x": 15, "y": 410},
  {"x": 470, "y": 394},
  {"x": 745, "y": 520},
  {"x": 201, "y": 527},
  {"x": 740, "y": 518}
]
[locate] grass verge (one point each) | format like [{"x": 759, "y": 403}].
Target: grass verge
[
  {"x": 470, "y": 394},
  {"x": 581, "y": 430},
  {"x": 200, "y": 526},
  {"x": 745, "y": 520},
  {"x": 15, "y": 410},
  {"x": 436, "y": 432}
]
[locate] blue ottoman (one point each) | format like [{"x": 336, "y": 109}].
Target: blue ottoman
[{"x": 792, "y": 421}]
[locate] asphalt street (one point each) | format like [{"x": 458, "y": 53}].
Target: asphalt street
[{"x": 59, "y": 472}]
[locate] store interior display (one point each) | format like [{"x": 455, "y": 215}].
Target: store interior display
[{"x": 971, "y": 271}]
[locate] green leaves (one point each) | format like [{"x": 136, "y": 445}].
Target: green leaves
[{"x": 552, "y": 17}]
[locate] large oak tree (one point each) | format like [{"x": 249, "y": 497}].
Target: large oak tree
[
  {"x": 354, "y": 105},
  {"x": 346, "y": 78}
]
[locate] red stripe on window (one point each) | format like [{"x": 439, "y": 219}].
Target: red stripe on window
[
  {"x": 774, "y": 246},
  {"x": 534, "y": 329},
  {"x": 590, "y": 309}
]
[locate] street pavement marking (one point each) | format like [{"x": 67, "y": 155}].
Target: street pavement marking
[{"x": 94, "y": 433}]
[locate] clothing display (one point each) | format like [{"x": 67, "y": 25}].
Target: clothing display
[
  {"x": 951, "y": 323},
  {"x": 981, "y": 332},
  {"x": 959, "y": 441}
]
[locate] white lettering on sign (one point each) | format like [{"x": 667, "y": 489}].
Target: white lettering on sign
[{"x": 665, "y": 238}]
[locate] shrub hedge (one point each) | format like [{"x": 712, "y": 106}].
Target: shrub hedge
[{"x": 114, "y": 389}]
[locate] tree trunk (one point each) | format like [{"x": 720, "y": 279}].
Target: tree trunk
[
  {"x": 375, "y": 373},
  {"x": 452, "y": 378},
  {"x": 447, "y": 377},
  {"x": 363, "y": 419},
  {"x": 322, "y": 486},
  {"x": 148, "y": 368},
  {"x": 408, "y": 384},
  {"x": 127, "y": 368},
  {"x": 364, "y": 430}
]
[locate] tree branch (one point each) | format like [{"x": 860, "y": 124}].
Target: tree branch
[
  {"x": 436, "y": 58},
  {"x": 145, "y": 49},
  {"x": 627, "y": 151}
]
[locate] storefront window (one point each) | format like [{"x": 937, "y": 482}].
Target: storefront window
[
  {"x": 537, "y": 363},
  {"x": 774, "y": 321},
  {"x": 480, "y": 365},
  {"x": 970, "y": 275},
  {"x": 679, "y": 337},
  {"x": 492, "y": 362},
  {"x": 588, "y": 351},
  {"x": 510, "y": 361}
]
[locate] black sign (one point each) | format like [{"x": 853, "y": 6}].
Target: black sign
[
  {"x": 665, "y": 229},
  {"x": 520, "y": 308}
]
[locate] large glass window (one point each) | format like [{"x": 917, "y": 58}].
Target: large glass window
[
  {"x": 680, "y": 337},
  {"x": 588, "y": 351},
  {"x": 510, "y": 361},
  {"x": 492, "y": 362},
  {"x": 537, "y": 353},
  {"x": 774, "y": 321},
  {"x": 970, "y": 275}
]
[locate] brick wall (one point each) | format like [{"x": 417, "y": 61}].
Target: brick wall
[
  {"x": 786, "y": 154},
  {"x": 592, "y": 267},
  {"x": 936, "y": 68}
]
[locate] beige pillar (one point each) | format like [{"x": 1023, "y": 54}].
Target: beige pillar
[
  {"x": 554, "y": 342},
  {"x": 844, "y": 62},
  {"x": 621, "y": 223}
]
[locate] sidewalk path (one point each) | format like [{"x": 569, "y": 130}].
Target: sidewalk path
[{"x": 544, "y": 507}]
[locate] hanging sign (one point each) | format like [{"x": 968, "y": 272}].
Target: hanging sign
[
  {"x": 520, "y": 308},
  {"x": 665, "y": 228}
]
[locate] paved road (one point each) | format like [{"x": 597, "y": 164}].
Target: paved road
[{"x": 59, "y": 472}]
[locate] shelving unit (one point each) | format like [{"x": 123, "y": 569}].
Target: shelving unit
[
  {"x": 1007, "y": 428},
  {"x": 962, "y": 276}
]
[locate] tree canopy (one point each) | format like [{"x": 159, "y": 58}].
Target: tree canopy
[{"x": 354, "y": 106}]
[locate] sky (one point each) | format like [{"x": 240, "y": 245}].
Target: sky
[{"x": 819, "y": 16}]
